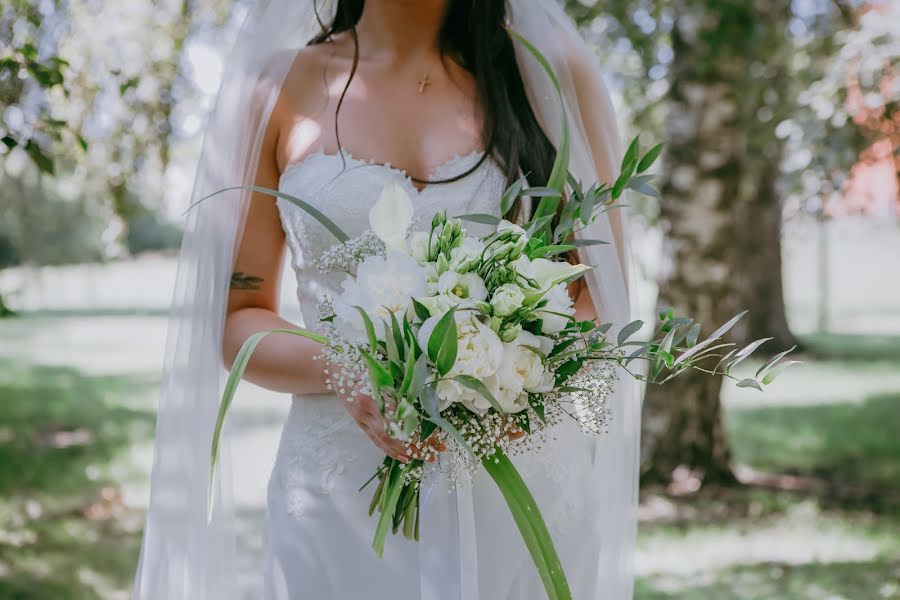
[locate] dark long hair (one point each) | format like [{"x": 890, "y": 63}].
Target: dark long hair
[{"x": 475, "y": 36}]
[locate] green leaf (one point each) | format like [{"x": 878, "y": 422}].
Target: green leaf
[
  {"x": 484, "y": 219},
  {"x": 649, "y": 158},
  {"x": 421, "y": 312},
  {"x": 749, "y": 383},
  {"x": 381, "y": 377},
  {"x": 395, "y": 486},
  {"x": 747, "y": 351},
  {"x": 622, "y": 181},
  {"x": 631, "y": 153},
  {"x": 692, "y": 335},
  {"x": 581, "y": 243},
  {"x": 510, "y": 195},
  {"x": 775, "y": 371},
  {"x": 442, "y": 344},
  {"x": 431, "y": 405},
  {"x": 476, "y": 384},
  {"x": 528, "y": 518},
  {"x": 541, "y": 192},
  {"x": 629, "y": 330},
  {"x": 305, "y": 206},
  {"x": 718, "y": 333},
  {"x": 771, "y": 363},
  {"x": 559, "y": 174},
  {"x": 234, "y": 378},
  {"x": 370, "y": 329}
]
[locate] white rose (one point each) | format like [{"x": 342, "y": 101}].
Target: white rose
[
  {"x": 558, "y": 301},
  {"x": 479, "y": 353},
  {"x": 382, "y": 286},
  {"x": 506, "y": 299}
]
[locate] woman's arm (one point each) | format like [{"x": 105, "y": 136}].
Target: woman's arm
[{"x": 281, "y": 362}]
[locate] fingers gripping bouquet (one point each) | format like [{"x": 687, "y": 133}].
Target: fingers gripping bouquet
[{"x": 470, "y": 342}]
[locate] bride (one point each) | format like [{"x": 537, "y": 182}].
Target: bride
[{"x": 328, "y": 101}]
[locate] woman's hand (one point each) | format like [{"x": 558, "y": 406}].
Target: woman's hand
[{"x": 364, "y": 410}]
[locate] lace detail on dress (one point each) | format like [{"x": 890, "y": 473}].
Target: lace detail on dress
[{"x": 313, "y": 450}]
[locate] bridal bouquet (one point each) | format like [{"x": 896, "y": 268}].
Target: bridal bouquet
[{"x": 472, "y": 342}]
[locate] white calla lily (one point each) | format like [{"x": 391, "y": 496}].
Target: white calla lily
[{"x": 392, "y": 215}]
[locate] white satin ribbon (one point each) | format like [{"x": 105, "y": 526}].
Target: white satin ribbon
[{"x": 448, "y": 552}]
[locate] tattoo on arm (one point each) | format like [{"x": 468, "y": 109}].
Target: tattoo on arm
[{"x": 241, "y": 281}]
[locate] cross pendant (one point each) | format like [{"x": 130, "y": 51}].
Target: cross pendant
[{"x": 424, "y": 82}]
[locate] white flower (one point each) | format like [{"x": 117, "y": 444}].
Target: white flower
[
  {"x": 548, "y": 273},
  {"x": 438, "y": 304},
  {"x": 558, "y": 301},
  {"x": 391, "y": 216},
  {"x": 418, "y": 246},
  {"x": 469, "y": 250},
  {"x": 382, "y": 286},
  {"x": 506, "y": 299},
  {"x": 505, "y": 225},
  {"x": 522, "y": 371},
  {"x": 465, "y": 286},
  {"x": 479, "y": 353}
]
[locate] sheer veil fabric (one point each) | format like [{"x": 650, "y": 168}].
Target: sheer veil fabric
[{"x": 184, "y": 557}]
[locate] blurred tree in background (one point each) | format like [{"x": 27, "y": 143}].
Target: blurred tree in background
[{"x": 753, "y": 102}]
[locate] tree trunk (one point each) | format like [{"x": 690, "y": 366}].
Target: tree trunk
[{"x": 721, "y": 216}]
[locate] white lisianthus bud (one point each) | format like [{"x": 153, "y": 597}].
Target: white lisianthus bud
[{"x": 506, "y": 299}]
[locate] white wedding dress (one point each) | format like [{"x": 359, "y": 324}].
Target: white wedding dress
[{"x": 317, "y": 533}]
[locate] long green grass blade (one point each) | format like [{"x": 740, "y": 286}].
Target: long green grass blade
[
  {"x": 234, "y": 378},
  {"x": 531, "y": 524},
  {"x": 302, "y": 204},
  {"x": 560, "y": 172}
]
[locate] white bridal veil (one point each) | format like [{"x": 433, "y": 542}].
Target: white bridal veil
[{"x": 183, "y": 557}]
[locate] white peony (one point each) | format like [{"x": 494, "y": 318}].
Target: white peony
[
  {"x": 382, "y": 286},
  {"x": 558, "y": 301},
  {"x": 391, "y": 216},
  {"x": 507, "y": 299}
]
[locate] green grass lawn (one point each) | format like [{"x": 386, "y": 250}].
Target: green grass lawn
[
  {"x": 64, "y": 532},
  {"x": 72, "y": 412}
]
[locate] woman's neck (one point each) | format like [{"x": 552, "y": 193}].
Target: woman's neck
[{"x": 398, "y": 29}]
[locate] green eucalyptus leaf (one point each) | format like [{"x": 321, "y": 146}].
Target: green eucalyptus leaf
[
  {"x": 481, "y": 218},
  {"x": 629, "y": 330},
  {"x": 649, "y": 158},
  {"x": 752, "y": 383}
]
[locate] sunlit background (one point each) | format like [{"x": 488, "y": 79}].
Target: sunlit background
[{"x": 779, "y": 195}]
